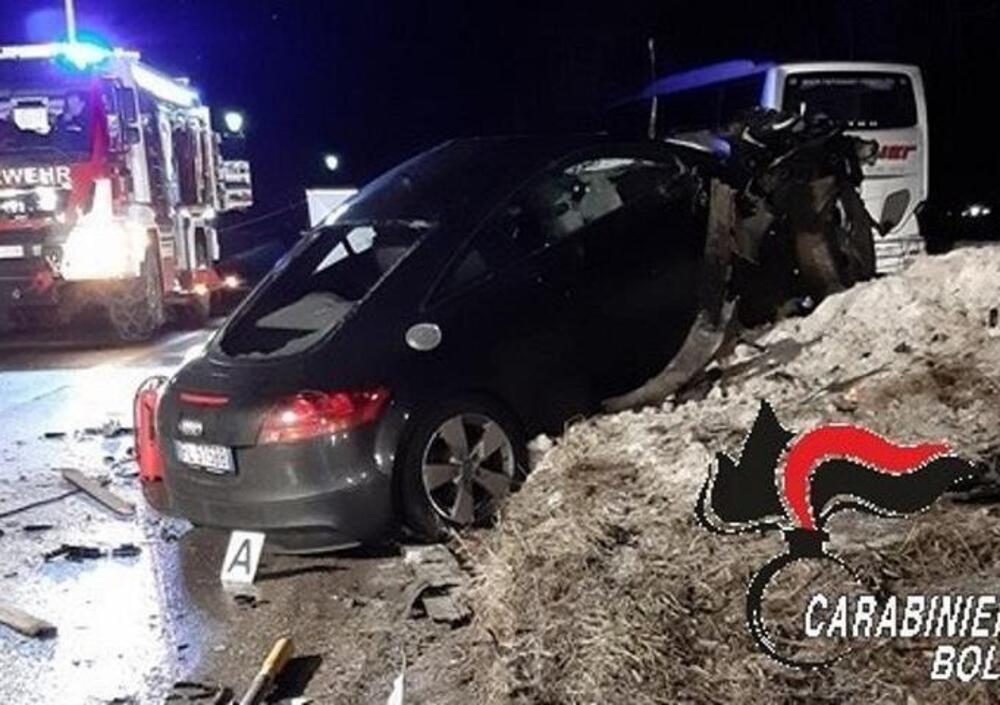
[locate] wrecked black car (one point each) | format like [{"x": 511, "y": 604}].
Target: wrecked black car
[{"x": 390, "y": 369}]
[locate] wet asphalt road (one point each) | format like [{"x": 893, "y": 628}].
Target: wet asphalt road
[{"x": 130, "y": 628}]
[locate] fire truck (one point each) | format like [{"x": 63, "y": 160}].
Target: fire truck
[{"x": 111, "y": 181}]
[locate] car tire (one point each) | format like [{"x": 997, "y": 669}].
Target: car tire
[{"x": 440, "y": 486}]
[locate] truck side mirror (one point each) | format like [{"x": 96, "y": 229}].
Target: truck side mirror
[{"x": 132, "y": 135}]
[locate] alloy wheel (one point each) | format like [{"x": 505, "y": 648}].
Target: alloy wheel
[{"x": 468, "y": 465}]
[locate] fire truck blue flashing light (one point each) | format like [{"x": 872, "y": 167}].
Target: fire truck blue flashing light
[
  {"x": 87, "y": 51},
  {"x": 705, "y": 76}
]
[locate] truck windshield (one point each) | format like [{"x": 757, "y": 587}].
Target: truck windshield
[
  {"x": 45, "y": 110},
  {"x": 46, "y": 122},
  {"x": 861, "y": 100},
  {"x": 316, "y": 286}
]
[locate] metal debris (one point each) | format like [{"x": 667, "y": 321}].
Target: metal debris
[
  {"x": 77, "y": 554},
  {"x": 109, "y": 429},
  {"x": 39, "y": 503},
  {"x": 93, "y": 488},
  {"x": 126, "y": 550},
  {"x": 437, "y": 586},
  {"x": 172, "y": 529},
  {"x": 26, "y": 624},
  {"x": 74, "y": 553},
  {"x": 194, "y": 691},
  {"x": 249, "y": 601},
  {"x": 33, "y": 528}
]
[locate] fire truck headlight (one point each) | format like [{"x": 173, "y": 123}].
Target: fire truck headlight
[
  {"x": 101, "y": 246},
  {"x": 110, "y": 250}
]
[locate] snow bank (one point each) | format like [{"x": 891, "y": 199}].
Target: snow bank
[{"x": 600, "y": 587}]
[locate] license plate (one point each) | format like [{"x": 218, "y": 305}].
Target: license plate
[
  {"x": 11, "y": 252},
  {"x": 217, "y": 459}
]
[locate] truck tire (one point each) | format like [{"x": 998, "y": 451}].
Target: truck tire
[{"x": 136, "y": 307}]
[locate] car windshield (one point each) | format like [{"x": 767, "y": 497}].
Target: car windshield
[
  {"x": 317, "y": 285},
  {"x": 859, "y": 100}
]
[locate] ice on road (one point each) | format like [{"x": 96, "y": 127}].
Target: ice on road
[{"x": 114, "y": 632}]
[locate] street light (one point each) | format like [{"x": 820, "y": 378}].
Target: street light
[
  {"x": 331, "y": 162},
  {"x": 234, "y": 121}
]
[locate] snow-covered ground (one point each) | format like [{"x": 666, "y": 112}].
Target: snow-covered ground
[{"x": 600, "y": 586}]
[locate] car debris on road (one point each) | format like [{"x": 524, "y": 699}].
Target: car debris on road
[
  {"x": 437, "y": 585},
  {"x": 25, "y": 623},
  {"x": 93, "y": 488},
  {"x": 77, "y": 554}
]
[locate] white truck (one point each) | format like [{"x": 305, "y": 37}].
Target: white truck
[{"x": 111, "y": 181}]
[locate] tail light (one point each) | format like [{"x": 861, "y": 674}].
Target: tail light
[
  {"x": 144, "y": 408},
  {"x": 310, "y": 414},
  {"x": 203, "y": 399}
]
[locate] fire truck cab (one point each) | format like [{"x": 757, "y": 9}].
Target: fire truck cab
[{"x": 111, "y": 181}]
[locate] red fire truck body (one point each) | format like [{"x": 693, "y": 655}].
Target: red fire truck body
[{"x": 110, "y": 184}]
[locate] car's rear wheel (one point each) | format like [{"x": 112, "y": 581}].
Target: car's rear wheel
[{"x": 461, "y": 461}]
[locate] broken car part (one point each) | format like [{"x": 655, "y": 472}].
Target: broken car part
[
  {"x": 93, "y": 488},
  {"x": 785, "y": 221},
  {"x": 147, "y": 451},
  {"x": 24, "y": 623},
  {"x": 39, "y": 503}
]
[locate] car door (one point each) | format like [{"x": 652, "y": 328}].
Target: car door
[
  {"x": 506, "y": 307},
  {"x": 642, "y": 245}
]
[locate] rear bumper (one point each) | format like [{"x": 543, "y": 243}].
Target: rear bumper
[{"x": 318, "y": 494}]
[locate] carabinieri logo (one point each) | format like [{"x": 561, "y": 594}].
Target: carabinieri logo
[{"x": 795, "y": 483}]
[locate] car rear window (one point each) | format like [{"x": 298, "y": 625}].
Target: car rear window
[
  {"x": 316, "y": 286},
  {"x": 862, "y": 100}
]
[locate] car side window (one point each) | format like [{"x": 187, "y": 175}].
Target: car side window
[{"x": 555, "y": 207}]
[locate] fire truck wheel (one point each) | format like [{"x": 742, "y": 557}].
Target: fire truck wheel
[{"x": 137, "y": 308}]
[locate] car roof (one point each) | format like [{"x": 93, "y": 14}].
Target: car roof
[{"x": 460, "y": 178}]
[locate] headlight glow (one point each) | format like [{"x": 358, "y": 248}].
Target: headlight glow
[
  {"x": 976, "y": 210},
  {"x": 46, "y": 198},
  {"x": 101, "y": 246}
]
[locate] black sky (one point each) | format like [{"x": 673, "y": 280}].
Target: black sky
[{"x": 376, "y": 80}]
